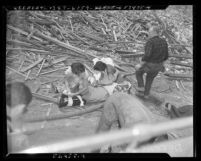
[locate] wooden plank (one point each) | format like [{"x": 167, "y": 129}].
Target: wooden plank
[
  {"x": 17, "y": 72},
  {"x": 181, "y": 64},
  {"x": 22, "y": 32},
  {"x": 32, "y": 65},
  {"x": 53, "y": 70},
  {"x": 41, "y": 67},
  {"x": 27, "y": 49},
  {"x": 59, "y": 60},
  {"x": 178, "y": 75}
]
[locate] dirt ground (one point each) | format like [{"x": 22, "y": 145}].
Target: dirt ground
[{"x": 78, "y": 126}]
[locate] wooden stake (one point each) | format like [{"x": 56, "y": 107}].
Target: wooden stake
[
  {"x": 16, "y": 72},
  {"x": 27, "y": 76},
  {"x": 182, "y": 85},
  {"x": 115, "y": 37},
  {"x": 41, "y": 67},
  {"x": 32, "y": 65},
  {"x": 21, "y": 65},
  {"x": 53, "y": 71}
]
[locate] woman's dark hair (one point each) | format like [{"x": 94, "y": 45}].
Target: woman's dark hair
[
  {"x": 100, "y": 66},
  {"x": 77, "y": 68},
  {"x": 17, "y": 93}
]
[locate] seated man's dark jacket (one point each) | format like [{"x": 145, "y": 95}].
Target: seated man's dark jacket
[{"x": 156, "y": 50}]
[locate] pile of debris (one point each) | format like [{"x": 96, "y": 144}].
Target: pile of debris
[{"x": 43, "y": 42}]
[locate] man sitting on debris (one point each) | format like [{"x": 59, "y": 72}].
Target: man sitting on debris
[
  {"x": 156, "y": 52},
  {"x": 126, "y": 111},
  {"x": 18, "y": 97}
]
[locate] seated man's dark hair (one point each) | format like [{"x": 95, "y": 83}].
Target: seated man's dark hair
[
  {"x": 100, "y": 66},
  {"x": 77, "y": 68},
  {"x": 17, "y": 93}
]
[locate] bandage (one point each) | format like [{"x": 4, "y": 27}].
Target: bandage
[
  {"x": 108, "y": 61},
  {"x": 81, "y": 101},
  {"x": 97, "y": 76},
  {"x": 70, "y": 101},
  {"x": 69, "y": 70},
  {"x": 95, "y": 60}
]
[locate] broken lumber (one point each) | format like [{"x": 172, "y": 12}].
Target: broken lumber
[
  {"x": 18, "y": 72},
  {"x": 27, "y": 49},
  {"x": 131, "y": 55},
  {"x": 49, "y": 81},
  {"x": 27, "y": 76},
  {"x": 45, "y": 98},
  {"x": 59, "y": 60},
  {"x": 181, "y": 64},
  {"x": 178, "y": 75},
  {"x": 53, "y": 70},
  {"x": 32, "y": 65},
  {"x": 41, "y": 67},
  {"x": 22, "y": 32},
  {"x": 62, "y": 44}
]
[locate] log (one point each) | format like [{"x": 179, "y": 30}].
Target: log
[
  {"x": 28, "y": 49},
  {"x": 59, "y": 60},
  {"x": 62, "y": 44},
  {"x": 45, "y": 98},
  {"x": 27, "y": 76},
  {"x": 181, "y": 56},
  {"x": 181, "y": 64},
  {"x": 49, "y": 81},
  {"x": 20, "y": 43},
  {"x": 41, "y": 67},
  {"x": 32, "y": 65},
  {"x": 131, "y": 55},
  {"x": 21, "y": 64},
  {"x": 18, "y": 72},
  {"x": 178, "y": 75},
  {"x": 53, "y": 70},
  {"x": 22, "y": 32},
  {"x": 79, "y": 38}
]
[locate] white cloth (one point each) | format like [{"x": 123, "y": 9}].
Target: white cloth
[
  {"x": 95, "y": 60},
  {"x": 108, "y": 61},
  {"x": 68, "y": 70},
  {"x": 110, "y": 88},
  {"x": 105, "y": 60}
]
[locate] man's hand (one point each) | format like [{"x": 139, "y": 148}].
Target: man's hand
[
  {"x": 71, "y": 94},
  {"x": 138, "y": 66}
]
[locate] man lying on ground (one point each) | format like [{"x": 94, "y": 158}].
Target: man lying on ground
[{"x": 127, "y": 111}]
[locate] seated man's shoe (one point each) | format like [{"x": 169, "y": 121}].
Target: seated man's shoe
[
  {"x": 140, "y": 89},
  {"x": 140, "y": 94},
  {"x": 146, "y": 96}
]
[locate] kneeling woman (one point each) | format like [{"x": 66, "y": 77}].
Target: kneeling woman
[{"x": 88, "y": 93}]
